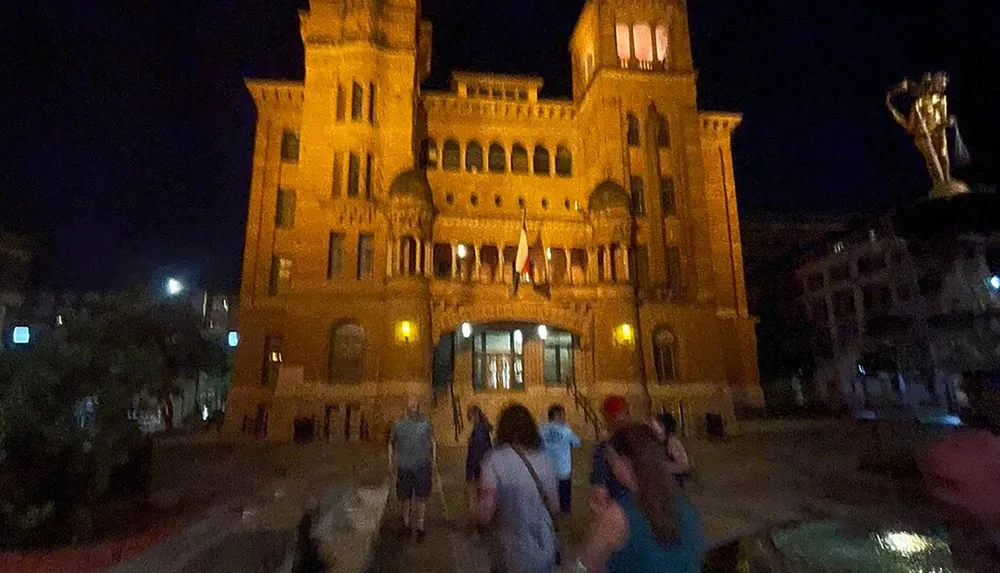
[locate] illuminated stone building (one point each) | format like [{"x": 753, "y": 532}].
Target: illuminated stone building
[{"x": 384, "y": 221}]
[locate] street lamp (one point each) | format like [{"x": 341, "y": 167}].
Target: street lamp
[
  {"x": 995, "y": 282},
  {"x": 174, "y": 287}
]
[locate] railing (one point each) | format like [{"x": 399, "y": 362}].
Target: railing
[
  {"x": 589, "y": 415},
  {"x": 456, "y": 413}
]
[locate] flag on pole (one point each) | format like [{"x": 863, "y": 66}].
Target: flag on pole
[{"x": 522, "y": 262}]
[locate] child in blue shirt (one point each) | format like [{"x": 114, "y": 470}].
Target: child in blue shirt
[{"x": 558, "y": 438}]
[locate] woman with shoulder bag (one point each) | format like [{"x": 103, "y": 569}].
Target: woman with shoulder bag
[{"x": 518, "y": 497}]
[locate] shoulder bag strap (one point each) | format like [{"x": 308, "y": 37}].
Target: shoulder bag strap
[{"x": 538, "y": 483}]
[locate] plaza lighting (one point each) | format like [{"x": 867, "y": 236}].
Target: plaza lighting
[
  {"x": 548, "y": 253},
  {"x": 466, "y": 330},
  {"x": 405, "y": 330},
  {"x": 233, "y": 339},
  {"x": 518, "y": 337},
  {"x": 995, "y": 282},
  {"x": 543, "y": 331},
  {"x": 21, "y": 335},
  {"x": 461, "y": 251},
  {"x": 174, "y": 287}
]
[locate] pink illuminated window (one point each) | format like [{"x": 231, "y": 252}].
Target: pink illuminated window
[
  {"x": 662, "y": 42},
  {"x": 624, "y": 41},
  {"x": 643, "y": 40}
]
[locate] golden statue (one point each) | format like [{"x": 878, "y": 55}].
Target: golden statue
[{"x": 927, "y": 124}]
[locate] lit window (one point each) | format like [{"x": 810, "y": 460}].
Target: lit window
[
  {"x": 233, "y": 338},
  {"x": 642, "y": 37},
  {"x": 466, "y": 330},
  {"x": 272, "y": 361},
  {"x": 21, "y": 335},
  {"x": 664, "y": 355},
  {"x": 662, "y": 42},
  {"x": 624, "y": 43}
]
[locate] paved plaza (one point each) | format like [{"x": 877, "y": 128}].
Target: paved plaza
[{"x": 241, "y": 503}]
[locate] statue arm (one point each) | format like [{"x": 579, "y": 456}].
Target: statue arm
[{"x": 902, "y": 88}]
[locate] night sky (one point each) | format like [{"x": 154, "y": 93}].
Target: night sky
[{"x": 126, "y": 132}]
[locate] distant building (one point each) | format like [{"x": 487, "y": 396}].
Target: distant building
[
  {"x": 894, "y": 298},
  {"x": 384, "y": 226}
]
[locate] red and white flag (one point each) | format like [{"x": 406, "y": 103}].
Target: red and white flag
[{"x": 522, "y": 262}]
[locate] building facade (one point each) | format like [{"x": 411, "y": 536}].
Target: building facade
[
  {"x": 384, "y": 222},
  {"x": 903, "y": 306}
]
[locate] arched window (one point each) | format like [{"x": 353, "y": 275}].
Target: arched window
[
  {"x": 665, "y": 355},
  {"x": 662, "y": 42},
  {"x": 642, "y": 39},
  {"x": 624, "y": 42},
  {"x": 518, "y": 159},
  {"x": 473, "y": 157},
  {"x": 633, "y": 130},
  {"x": 451, "y": 157},
  {"x": 347, "y": 348},
  {"x": 540, "y": 164},
  {"x": 564, "y": 162},
  {"x": 428, "y": 154},
  {"x": 498, "y": 158},
  {"x": 661, "y": 128}
]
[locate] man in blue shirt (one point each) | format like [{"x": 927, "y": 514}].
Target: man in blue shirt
[
  {"x": 558, "y": 438},
  {"x": 604, "y": 487}
]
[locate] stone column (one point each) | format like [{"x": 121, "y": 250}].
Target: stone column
[
  {"x": 608, "y": 263},
  {"x": 429, "y": 259},
  {"x": 454, "y": 261},
  {"x": 567, "y": 255},
  {"x": 478, "y": 267},
  {"x": 388, "y": 258},
  {"x": 501, "y": 271},
  {"x": 419, "y": 246},
  {"x": 591, "y": 269}
]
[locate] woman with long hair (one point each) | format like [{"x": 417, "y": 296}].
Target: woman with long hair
[
  {"x": 518, "y": 497},
  {"x": 678, "y": 463},
  {"x": 653, "y": 528}
]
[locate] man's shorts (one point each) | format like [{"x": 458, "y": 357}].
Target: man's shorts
[{"x": 413, "y": 483}]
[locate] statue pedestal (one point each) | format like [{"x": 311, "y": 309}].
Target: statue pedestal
[{"x": 947, "y": 189}]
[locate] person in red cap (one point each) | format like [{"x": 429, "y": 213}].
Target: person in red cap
[{"x": 604, "y": 488}]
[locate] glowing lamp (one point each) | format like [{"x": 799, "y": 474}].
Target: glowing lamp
[
  {"x": 461, "y": 251},
  {"x": 518, "y": 336},
  {"x": 548, "y": 253},
  {"x": 21, "y": 335},
  {"x": 233, "y": 339},
  {"x": 405, "y": 331},
  {"x": 174, "y": 287},
  {"x": 995, "y": 282},
  {"x": 543, "y": 331},
  {"x": 624, "y": 334},
  {"x": 466, "y": 330}
]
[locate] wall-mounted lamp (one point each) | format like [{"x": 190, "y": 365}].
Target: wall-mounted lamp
[
  {"x": 624, "y": 334},
  {"x": 461, "y": 251},
  {"x": 406, "y": 331},
  {"x": 466, "y": 330}
]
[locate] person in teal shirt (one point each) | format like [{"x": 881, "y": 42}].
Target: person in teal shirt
[
  {"x": 653, "y": 527},
  {"x": 558, "y": 439}
]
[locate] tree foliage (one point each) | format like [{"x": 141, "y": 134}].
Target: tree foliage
[{"x": 55, "y": 475}]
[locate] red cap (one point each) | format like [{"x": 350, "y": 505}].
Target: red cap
[{"x": 614, "y": 407}]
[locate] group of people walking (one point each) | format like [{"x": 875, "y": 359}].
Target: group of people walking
[{"x": 520, "y": 488}]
